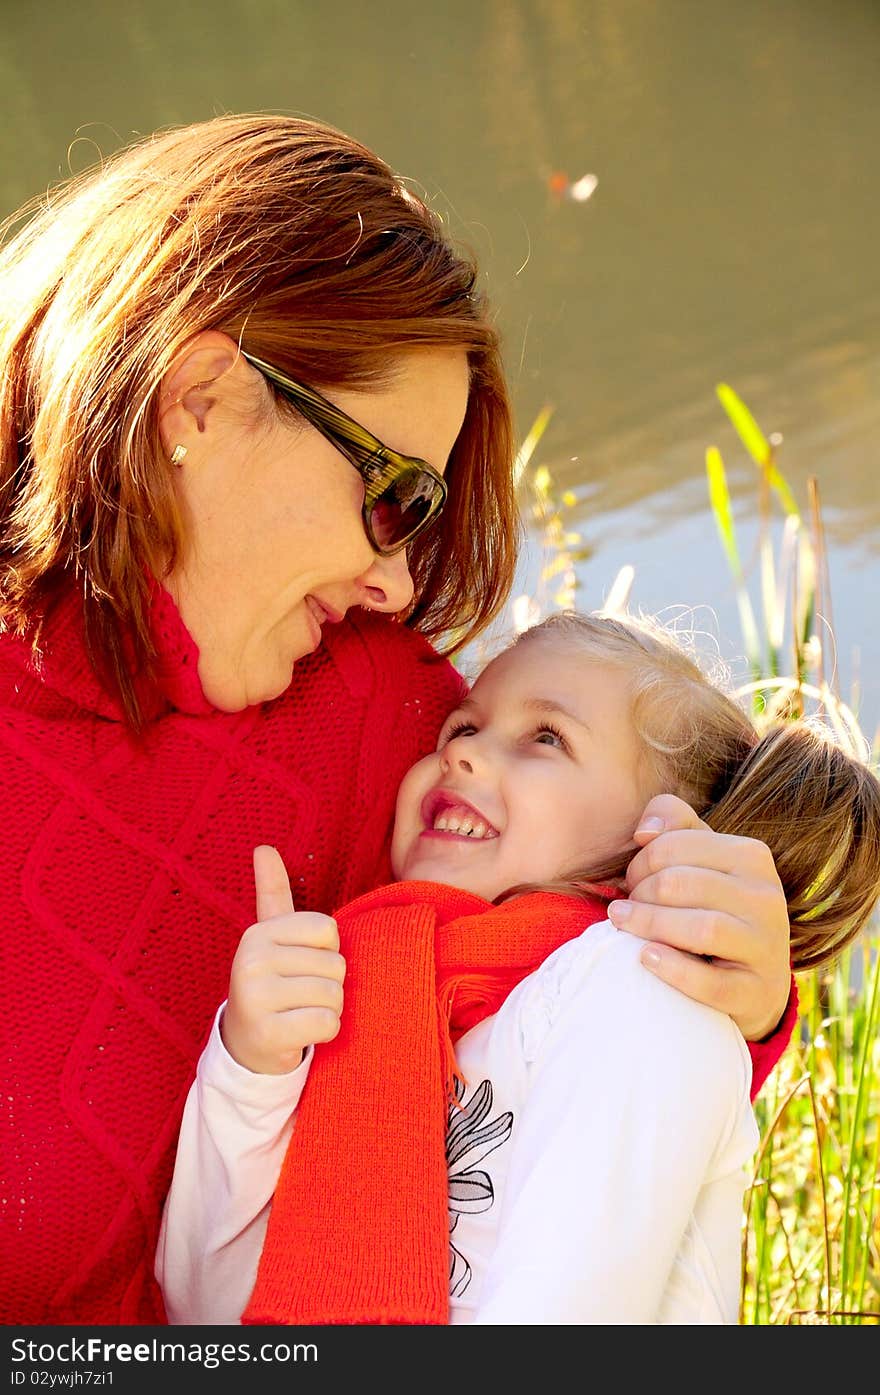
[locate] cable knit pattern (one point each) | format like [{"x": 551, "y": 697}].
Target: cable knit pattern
[{"x": 126, "y": 880}]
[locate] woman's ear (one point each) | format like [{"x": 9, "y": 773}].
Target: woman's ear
[{"x": 206, "y": 375}]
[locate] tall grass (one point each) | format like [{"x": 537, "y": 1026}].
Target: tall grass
[
  {"x": 811, "y": 1233},
  {"x": 811, "y": 1224}
]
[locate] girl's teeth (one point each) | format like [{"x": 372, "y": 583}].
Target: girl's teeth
[{"x": 467, "y": 827}]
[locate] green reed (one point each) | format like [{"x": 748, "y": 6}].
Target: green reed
[
  {"x": 811, "y": 1234},
  {"x": 811, "y": 1225}
]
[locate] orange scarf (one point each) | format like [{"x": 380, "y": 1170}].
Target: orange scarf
[{"x": 359, "y": 1226}]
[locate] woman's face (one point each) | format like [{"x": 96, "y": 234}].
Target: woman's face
[{"x": 275, "y": 545}]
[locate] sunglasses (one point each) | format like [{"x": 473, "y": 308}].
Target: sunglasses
[{"x": 402, "y": 495}]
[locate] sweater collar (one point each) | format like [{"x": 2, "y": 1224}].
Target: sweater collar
[{"x": 62, "y": 662}]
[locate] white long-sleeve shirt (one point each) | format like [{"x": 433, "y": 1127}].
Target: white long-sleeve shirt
[{"x": 596, "y": 1173}]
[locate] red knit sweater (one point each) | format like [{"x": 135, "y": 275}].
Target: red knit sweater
[{"x": 125, "y": 884}]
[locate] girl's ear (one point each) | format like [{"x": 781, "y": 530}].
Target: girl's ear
[{"x": 207, "y": 373}]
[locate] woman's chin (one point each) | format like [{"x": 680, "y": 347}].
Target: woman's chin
[
  {"x": 275, "y": 687},
  {"x": 262, "y": 669},
  {"x": 235, "y": 692}
]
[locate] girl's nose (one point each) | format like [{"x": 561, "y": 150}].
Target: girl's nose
[
  {"x": 459, "y": 754},
  {"x": 388, "y": 584}
]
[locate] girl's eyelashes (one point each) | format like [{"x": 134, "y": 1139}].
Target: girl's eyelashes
[
  {"x": 457, "y": 729},
  {"x": 546, "y": 729}
]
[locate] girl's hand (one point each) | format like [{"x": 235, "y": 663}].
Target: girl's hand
[
  {"x": 285, "y": 988},
  {"x": 715, "y": 911}
]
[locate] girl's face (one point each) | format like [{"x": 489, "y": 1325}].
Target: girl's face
[
  {"x": 535, "y": 775},
  {"x": 275, "y": 540}
]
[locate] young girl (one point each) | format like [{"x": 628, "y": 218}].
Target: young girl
[{"x": 536, "y": 1176}]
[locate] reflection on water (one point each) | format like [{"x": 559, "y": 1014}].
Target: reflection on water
[{"x": 731, "y": 235}]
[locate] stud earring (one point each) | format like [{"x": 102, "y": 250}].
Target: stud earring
[{"x": 178, "y": 455}]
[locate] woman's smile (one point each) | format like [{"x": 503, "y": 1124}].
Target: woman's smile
[
  {"x": 279, "y": 549},
  {"x": 320, "y": 615}
]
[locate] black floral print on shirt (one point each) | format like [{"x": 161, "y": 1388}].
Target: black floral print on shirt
[{"x": 468, "y": 1141}]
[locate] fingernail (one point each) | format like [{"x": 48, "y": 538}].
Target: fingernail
[
  {"x": 619, "y": 911},
  {"x": 651, "y": 825},
  {"x": 650, "y": 957}
]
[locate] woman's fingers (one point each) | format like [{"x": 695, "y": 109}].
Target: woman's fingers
[
  {"x": 741, "y": 926},
  {"x": 728, "y": 988},
  {"x": 703, "y": 932},
  {"x": 664, "y": 813},
  {"x": 697, "y": 888},
  {"x": 701, "y": 895},
  {"x": 701, "y": 847}
]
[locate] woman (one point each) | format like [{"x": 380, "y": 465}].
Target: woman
[{"x": 206, "y": 348}]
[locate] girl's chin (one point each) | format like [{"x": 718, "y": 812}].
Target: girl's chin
[{"x": 426, "y": 870}]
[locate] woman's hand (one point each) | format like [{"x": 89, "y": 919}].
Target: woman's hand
[
  {"x": 699, "y": 896},
  {"x": 285, "y": 988}
]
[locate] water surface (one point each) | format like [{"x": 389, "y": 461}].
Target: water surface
[{"x": 732, "y": 234}]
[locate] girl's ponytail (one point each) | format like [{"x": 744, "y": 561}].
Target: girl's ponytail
[
  {"x": 818, "y": 810},
  {"x": 792, "y": 787}
]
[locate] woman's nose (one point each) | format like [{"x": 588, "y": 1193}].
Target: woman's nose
[{"x": 388, "y": 584}]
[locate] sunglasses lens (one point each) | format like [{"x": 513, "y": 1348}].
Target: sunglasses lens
[{"x": 404, "y": 507}]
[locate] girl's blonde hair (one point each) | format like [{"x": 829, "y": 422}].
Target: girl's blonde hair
[
  {"x": 791, "y": 786},
  {"x": 296, "y": 241}
]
